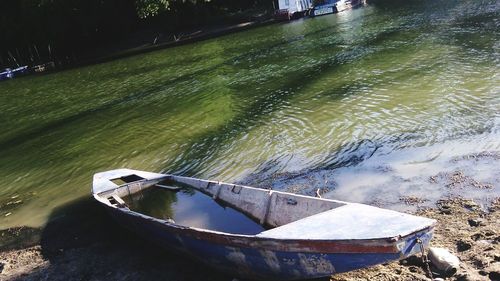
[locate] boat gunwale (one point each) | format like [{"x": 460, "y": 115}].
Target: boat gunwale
[
  {"x": 376, "y": 245},
  {"x": 170, "y": 176}
]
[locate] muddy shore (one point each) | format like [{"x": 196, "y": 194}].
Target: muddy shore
[{"x": 74, "y": 247}]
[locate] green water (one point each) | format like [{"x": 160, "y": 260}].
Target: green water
[{"x": 395, "y": 82}]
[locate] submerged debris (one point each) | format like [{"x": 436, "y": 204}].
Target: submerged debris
[
  {"x": 10, "y": 204},
  {"x": 458, "y": 179},
  {"x": 495, "y": 155},
  {"x": 14, "y": 202},
  {"x": 412, "y": 200}
]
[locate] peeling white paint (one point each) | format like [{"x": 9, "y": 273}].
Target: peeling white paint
[
  {"x": 236, "y": 257},
  {"x": 271, "y": 260},
  {"x": 316, "y": 264},
  {"x": 289, "y": 261},
  {"x": 400, "y": 246},
  {"x": 179, "y": 239}
]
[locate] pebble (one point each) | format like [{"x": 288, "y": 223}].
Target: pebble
[
  {"x": 477, "y": 236},
  {"x": 445, "y": 209},
  {"x": 413, "y": 269},
  {"x": 494, "y": 271},
  {"x": 471, "y": 205},
  {"x": 496, "y": 240},
  {"x": 495, "y": 275},
  {"x": 496, "y": 257},
  {"x": 489, "y": 233},
  {"x": 463, "y": 245},
  {"x": 475, "y": 222},
  {"x": 464, "y": 277},
  {"x": 482, "y": 272}
]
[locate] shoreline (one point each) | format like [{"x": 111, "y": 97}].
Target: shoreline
[
  {"x": 88, "y": 59},
  {"x": 80, "y": 240},
  {"x": 192, "y": 37},
  {"x": 465, "y": 230},
  {"x": 72, "y": 247}
]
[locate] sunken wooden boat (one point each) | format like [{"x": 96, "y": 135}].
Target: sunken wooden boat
[{"x": 305, "y": 237}]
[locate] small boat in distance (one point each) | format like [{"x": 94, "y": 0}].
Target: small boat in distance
[
  {"x": 304, "y": 237},
  {"x": 325, "y": 7},
  {"x": 11, "y": 73},
  {"x": 290, "y": 10},
  {"x": 6, "y": 74}
]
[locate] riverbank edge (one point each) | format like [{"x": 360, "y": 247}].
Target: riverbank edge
[
  {"x": 161, "y": 44},
  {"x": 62, "y": 250}
]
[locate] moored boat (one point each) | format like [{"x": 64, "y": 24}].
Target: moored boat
[
  {"x": 6, "y": 74},
  {"x": 282, "y": 15},
  {"x": 325, "y": 7},
  {"x": 305, "y": 237},
  {"x": 11, "y": 73},
  {"x": 290, "y": 10}
]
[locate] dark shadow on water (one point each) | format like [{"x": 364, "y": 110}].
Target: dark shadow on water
[{"x": 81, "y": 242}]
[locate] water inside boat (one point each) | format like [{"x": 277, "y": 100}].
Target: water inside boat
[{"x": 188, "y": 207}]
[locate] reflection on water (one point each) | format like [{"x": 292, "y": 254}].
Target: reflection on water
[
  {"x": 422, "y": 174},
  {"x": 192, "y": 208},
  {"x": 317, "y": 97}
]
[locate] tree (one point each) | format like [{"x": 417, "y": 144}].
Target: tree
[{"x": 149, "y": 8}]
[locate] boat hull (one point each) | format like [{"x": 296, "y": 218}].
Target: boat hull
[
  {"x": 323, "y": 10},
  {"x": 11, "y": 73},
  {"x": 336, "y": 7},
  {"x": 261, "y": 258}
]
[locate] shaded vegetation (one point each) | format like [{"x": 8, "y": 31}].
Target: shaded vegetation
[{"x": 37, "y": 31}]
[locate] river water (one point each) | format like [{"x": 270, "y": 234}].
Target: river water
[{"x": 373, "y": 105}]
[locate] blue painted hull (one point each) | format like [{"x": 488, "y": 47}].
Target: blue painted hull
[{"x": 265, "y": 258}]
